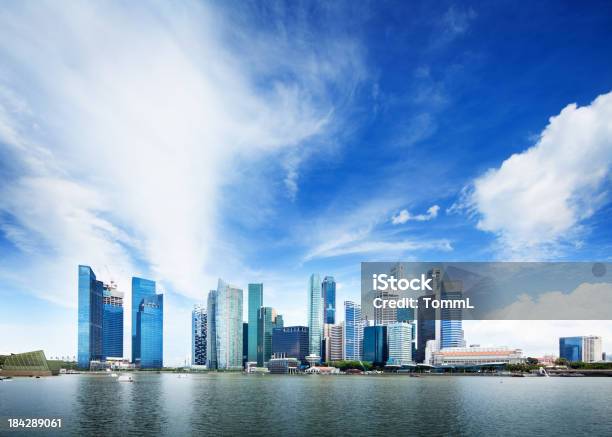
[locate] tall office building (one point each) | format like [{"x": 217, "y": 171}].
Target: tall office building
[
  {"x": 198, "y": 335},
  {"x": 451, "y": 319},
  {"x": 228, "y": 319},
  {"x": 375, "y": 345},
  {"x": 353, "y": 331},
  {"x": 315, "y": 315},
  {"x": 585, "y": 348},
  {"x": 211, "y": 330},
  {"x": 150, "y": 332},
  {"x": 333, "y": 340},
  {"x": 255, "y": 302},
  {"x": 90, "y": 317},
  {"x": 245, "y": 343},
  {"x": 267, "y": 321},
  {"x": 386, "y": 315},
  {"x": 399, "y": 339},
  {"x": 291, "y": 342},
  {"x": 141, "y": 288},
  {"x": 328, "y": 287},
  {"x": 112, "y": 321}
]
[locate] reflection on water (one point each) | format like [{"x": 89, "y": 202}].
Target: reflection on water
[{"x": 229, "y": 404}]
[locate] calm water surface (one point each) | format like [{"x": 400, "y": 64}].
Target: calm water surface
[{"x": 237, "y": 404}]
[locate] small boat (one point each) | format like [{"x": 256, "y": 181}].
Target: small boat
[{"x": 125, "y": 378}]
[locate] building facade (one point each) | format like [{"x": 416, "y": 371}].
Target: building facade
[
  {"x": 90, "y": 318},
  {"x": 315, "y": 315},
  {"x": 333, "y": 336},
  {"x": 328, "y": 287},
  {"x": 150, "y": 332},
  {"x": 375, "y": 346},
  {"x": 266, "y": 323},
  {"x": 228, "y": 319},
  {"x": 584, "y": 348},
  {"x": 399, "y": 339},
  {"x": 477, "y": 356},
  {"x": 291, "y": 342},
  {"x": 451, "y": 319},
  {"x": 112, "y": 322},
  {"x": 211, "y": 330},
  {"x": 255, "y": 303},
  {"x": 141, "y": 288},
  {"x": 199, "y": 327},
  {"x": 353, "y": 331}
]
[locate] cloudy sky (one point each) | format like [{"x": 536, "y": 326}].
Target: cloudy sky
[{"x": 260, "y": 142}]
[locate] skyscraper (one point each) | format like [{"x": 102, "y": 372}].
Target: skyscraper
[
  {"x": 399, "y": 339},
  {"x": 315, "y": 315},
  {"x": 451, "y": 319},
  {"x": 211, "y": 330},
  {"x": 291, "y": 342},
  {"x": 329, "y": 299},
  {"x": 245, "y": 343},
  {"x": 267, "y": 321},
  {"x": 90, "y": 317},
  {"x": 112, "y": 322},
  {"x": 198, "y": 335},
  {"x": 353, "y": 331},
  {"x": 228, "y": 319},
  {"x": 255, "y": 302},
  {"x": 141, "y": 288},
  {"x": 375, "y": 346},
  {"x": 333, "y": 335},
  {"x": 150, "y": 331},
  {"x": 584, "y": 348}
]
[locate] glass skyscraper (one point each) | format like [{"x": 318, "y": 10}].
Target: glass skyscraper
[
  {"x": 315, "y": 315},
  {"x": 451, "y": 319},
  {"x": 329, "y": 299},
  {"x": 266, "y": 322},
  {"x": 228, "y": 319},
  {"x": 399, "y": 339},
  {"x": 375, "y": 346},
  {"x": 291, "y": 342},
  {"x": 211, "y": 330},
  {"x": 150, "y": 330},
  {"x": 198, "y": 335},
  {"x": 353, "y": 331},
  {"x": 255, "y": 303},
  {"x": 141, "y": 288},
  {"x": 112, "y": 323},
  {"x": 90, "y": 318}
]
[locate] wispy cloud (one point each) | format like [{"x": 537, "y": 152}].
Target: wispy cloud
[{"x": 405, "y": 216}]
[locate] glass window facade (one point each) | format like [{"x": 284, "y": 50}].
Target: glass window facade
[
  {"x": 353, "y": 331},
  {"x": 291, "y": 342},
  {"x": 112, "y": 324},
  {"x": 329, "y": 299},
  {"x": 198, "y": 335},
  {"x": 255, "y": 303},
  {"x": 141, "y": 288},
  {"x": 211, "y": 330},
  {"x": 266, "y": 322},
  {"x": 570, "y": 348},
  {"x": 375, "y": 347},
  {"x": 150, "y": 324},
  {"x": 228, "y": 319},
  {"x": 315, "y": 315},
  {"x": 90, "y": 317}
]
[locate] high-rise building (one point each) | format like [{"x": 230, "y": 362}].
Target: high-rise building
[
  {"x": 228, "y": 319},
  {"x": 141, "y": 288},
  {"x": 399, "y": 339},
  {"x": 150, "y": 332},
  {"x": 291, "y": 342},
  {"x": 198, "y": 335},
  {"x": 211, "y": 330},
  {"x": 112, "y": 321},
  {"x": 584, "y": 348},
  {"x": 245, "y": 343},
  {"x": 267, "y": 320},
  {"x": 328, "y": 287},
  {"x": 333, "y": 339},
  {"x": 353, "y": 331},
  {"x": 375, "y": 345},
  {"x": 315, "y": 315},
  {"x": 255, "y": 302},
  {"x": 386, "y": 315},
  {"x": 90, "y": 317},
  {"x": 451, "y": 319}
]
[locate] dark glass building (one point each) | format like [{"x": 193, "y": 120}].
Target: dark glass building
[
  {"x": 570, "y": 348},
  {"x": 90, "y": 318},
  {"x": 266, "y": 322},
  {"x": 149, "y": 331},
  {"x": 291, "y": 342},
  {"x": 426, "y": 329},
  {"x": 112, "y": 325},
  {"x": 245, "y": 343},
  {"x": 375, "y": 346},
  {"x": 141, "y": 288},
  {"x": 328, "y": 287}
]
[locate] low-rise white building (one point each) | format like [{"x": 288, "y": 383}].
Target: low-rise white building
[{"x": 470, "y": 356}]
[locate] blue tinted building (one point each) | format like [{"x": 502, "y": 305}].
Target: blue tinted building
[
  {"x": 570, "y": 348},
  {"x": 255, "y": 302},
  {"x": 90, "y": 318},
  {"x": 141, "y": 288},
  {"x": 375, "y": 346},
  {"x": 112, "y": 326},
  {"x": 451, "y": 323},
  {"x": 353, "y": 331},
  {"x": 329, "y": 299},
  {"x": 149, "y": 331},
  {"x": 291, "y": 342}
]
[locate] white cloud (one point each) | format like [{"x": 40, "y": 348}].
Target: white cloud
[
  {"x": 537, "y": 199},
  {"x": 404, "y": 216}
]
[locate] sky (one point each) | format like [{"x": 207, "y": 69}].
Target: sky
[{"x": 264, "y": 141}]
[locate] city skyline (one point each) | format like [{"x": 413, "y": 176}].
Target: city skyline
[{"x": 311, "y": 144}]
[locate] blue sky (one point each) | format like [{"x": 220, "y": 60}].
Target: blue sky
[{"x": 260, "y": 142}]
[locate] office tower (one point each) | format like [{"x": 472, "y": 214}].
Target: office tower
[
  {"x": 150, "y": 332},
  {"x": 386, "y": 315},
  {"x": 428, "y": 323},
  {"x": 291, "y": 342},
  {"x": 245, "y": 343},
  {"x": 267, "y": 320},
  {"x": 405, "y": 315},
  {"x": 375, "y": 346},
  {"x": 141, "y": 288},
  {"x": 353, "y": 331},
  {"x": 90, "y": 317},
  {"x": 198, "y": 335},
  {"x": 328, "y": 288},
  {"x": 278, "y": 321},
  {"x": 399, "y": 339},
  {"x": 333, "y": 341},
  {"x": 211, "y": 330},
  {"x": 255, "y": 302},
  {"x": 584, "y": 348},
  {"x": 112, "y": 321},
  {"x": 451, "y": 319},
  {"x": 315, "y": 315},
  {"x": 228, "y": 319}
]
